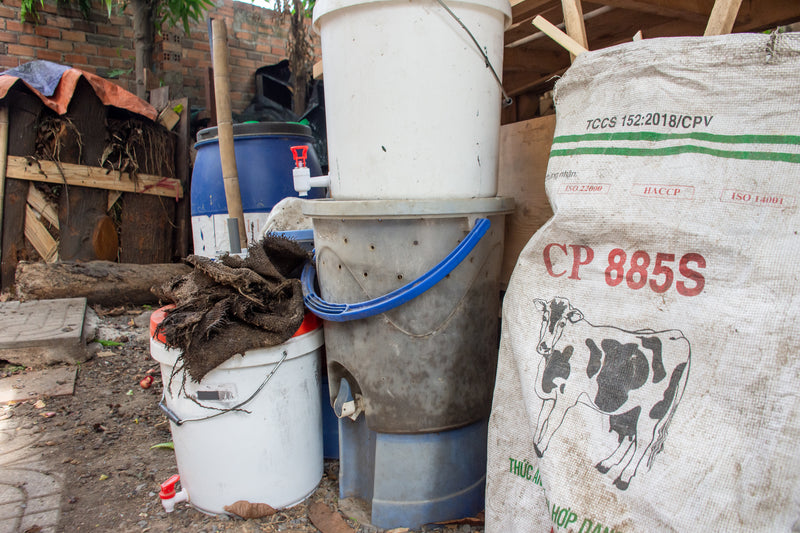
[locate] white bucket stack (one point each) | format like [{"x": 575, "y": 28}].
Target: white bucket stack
[{"x": 408, "y": 248}]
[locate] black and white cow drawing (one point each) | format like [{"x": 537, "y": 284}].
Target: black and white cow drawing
[{"x": 637, "y": 378}]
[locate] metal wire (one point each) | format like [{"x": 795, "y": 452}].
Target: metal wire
[
  {"x": 178, "y": 421},
  {"x": 507, "y": 101}
]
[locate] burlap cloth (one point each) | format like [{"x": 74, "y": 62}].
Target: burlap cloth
[{"x": 223, "y": 308}]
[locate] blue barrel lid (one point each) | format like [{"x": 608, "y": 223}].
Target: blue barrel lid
[{"x": 257, "y": 129}]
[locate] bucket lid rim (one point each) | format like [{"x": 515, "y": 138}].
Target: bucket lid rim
[
  {"x": 409, "y": 208},
  {"x": 256, "y": 129},
  {"x": 310, "y": 323},
  {"x": 329, "y": 6}
]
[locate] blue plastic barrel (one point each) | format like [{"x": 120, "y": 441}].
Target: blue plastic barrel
[{"x": 264, "y": 162}]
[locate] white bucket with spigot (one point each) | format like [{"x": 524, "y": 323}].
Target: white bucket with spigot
[{"x": 412, "y": 96}]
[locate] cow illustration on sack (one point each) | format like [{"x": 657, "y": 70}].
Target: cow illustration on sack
[{"x": 637, "y": 378}]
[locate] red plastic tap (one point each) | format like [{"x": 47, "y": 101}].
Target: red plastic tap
[
  {"x": 300, "y": 153},
  {"x": 168, "y": 488}
]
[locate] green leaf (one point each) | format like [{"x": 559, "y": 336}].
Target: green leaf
[
  {"x": 108, "y": 343},
  {"x": 165, "y": 445}
]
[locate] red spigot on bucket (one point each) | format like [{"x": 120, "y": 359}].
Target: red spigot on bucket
[
  {"x": 300, "y": 154},
  {"x": 168, "y": 495},
  {"x": 301, "y": 174}
]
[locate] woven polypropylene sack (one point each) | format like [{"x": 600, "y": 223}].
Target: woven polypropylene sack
[{"x": 649, "y": 367}]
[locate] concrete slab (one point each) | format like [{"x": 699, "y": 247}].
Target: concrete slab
[
  {"x": 59, "y": 381},
  {"x": 30, "y": 490},
  {"x": 44, "y": 332}
]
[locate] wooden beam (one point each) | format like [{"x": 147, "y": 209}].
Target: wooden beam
[
  {"x": 758, "y": 15},
  {"x": 570, "y": 44},
  {"x": 533, "y": 83},
  {"x": 722, "y": 18},
  {"x": 3, "y": 159},
  {"x": 573, "y": 22},
  {"x": 39, "y": 237},
  {"x": 691, "y": 10},
  {"x": 317, "y": 70},
  {"x": 40, "y": 204},
  {"x": 24, "y": 168},
  {"x": 524, "y": 9},
  {"x": 113, "y": 196}
]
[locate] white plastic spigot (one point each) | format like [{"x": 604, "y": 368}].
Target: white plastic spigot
[
  {"x": 302, "y": 180},
  {"x": 168, "y": 495},
  {"x": 301, "y": 174}
]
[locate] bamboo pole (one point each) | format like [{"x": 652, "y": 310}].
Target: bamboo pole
[
  {"x": 3, "y": 164},
  {"x": 722, "y": 18},
  {"x": 230, "y": 174},
  {"x": 572, "y": 46},
  {"x": 573, "y": 23}
]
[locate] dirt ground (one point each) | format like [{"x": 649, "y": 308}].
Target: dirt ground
[{"x": 102, "y": 437}]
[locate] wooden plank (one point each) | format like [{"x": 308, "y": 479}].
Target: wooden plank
[
  {"x": 79, "y": 208},
  {"x": 534, "y": 83},
  {"x": 757, "y": 15},
  {"x": 40, "y": 204},
  {"x": 113, "y": 196},
  {"x": 24, "y": 110},
  {"x": 573, "y": 23},
  {"x": 24, "y": 168},
  {"x": 691, "y": 10},
  {"x": 570, "y": 44},
  {"x": 524, "y": 153},
  {"x": 3, "y": 160},
  {"x": 722, "y": 18},
  {"x": 183, "y": 214},
  {"x": 146, "y": 234},
  {"x": 159, "y": 98},
  {"x": 39, "y": 237},
  {"x": 530, "y": 8},
  {"x": 521, "y": 30},
  {"x": 317, "y": 70}
]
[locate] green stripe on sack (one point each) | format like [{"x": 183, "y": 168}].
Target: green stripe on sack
[
  {"x": 698, "y": 136},
  {"x": 673, "y": 150}
]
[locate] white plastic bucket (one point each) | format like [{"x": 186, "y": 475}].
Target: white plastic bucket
[
  {"x": 412, "y": 110},
  {"x": 273, "y": 454}
]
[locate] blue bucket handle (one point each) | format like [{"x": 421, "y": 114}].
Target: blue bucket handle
[{"x": 344, "y": 312}]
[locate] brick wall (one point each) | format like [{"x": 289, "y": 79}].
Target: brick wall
[{"x": 104, "y": 45}]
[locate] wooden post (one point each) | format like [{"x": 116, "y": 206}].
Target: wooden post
[
  {"x": 211, "y": 109},
  {"x": 183, "y": 214},
  {"x": 230, "y": 174},
  {"x": 573, "y": 23},
  {"x": 3, "y": 160},
  {"x": 723, "y": 16}
]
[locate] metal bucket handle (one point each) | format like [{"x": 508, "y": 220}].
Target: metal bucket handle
[{"x": 337, "y": 312}]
